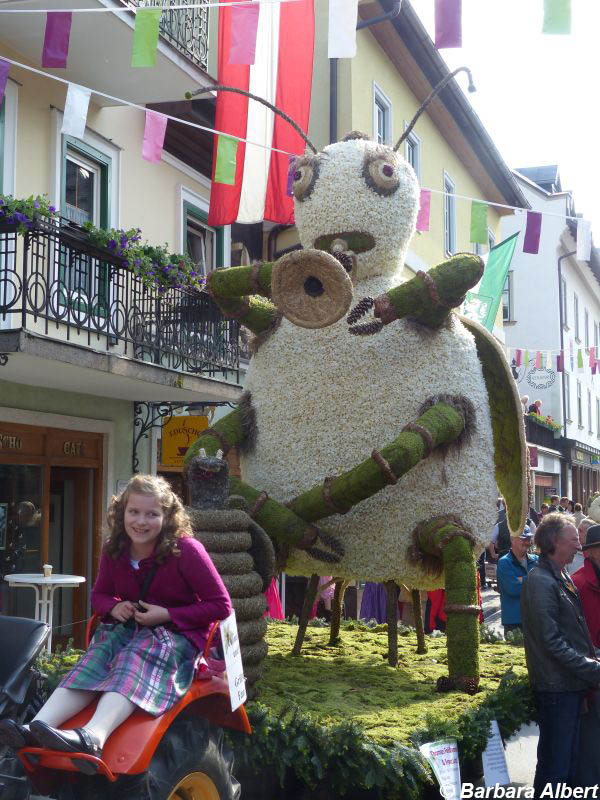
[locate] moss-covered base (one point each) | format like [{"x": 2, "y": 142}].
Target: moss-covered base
[{"x": 339, "y": 722}]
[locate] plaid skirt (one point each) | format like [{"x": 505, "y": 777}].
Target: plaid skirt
[{"x": 151, "y": 667}]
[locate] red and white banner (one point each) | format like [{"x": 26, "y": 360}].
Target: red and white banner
[{"x": 281, "y": 74}]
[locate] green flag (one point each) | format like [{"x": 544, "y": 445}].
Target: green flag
[
  {"x": 494, "y": 276},
  {"x": 579, "y": 359},
  {"x": 557, "y": 16},
  {"x": 145, "y": 37},
  {"x": 479, "y": 228},
  {"x": 226, "y": 159}
]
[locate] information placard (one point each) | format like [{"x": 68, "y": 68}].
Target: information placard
[
  {"x": 233, "y": 661},
  {"x": 443, "y": 757},
  {"x": 495, "y": 769}
]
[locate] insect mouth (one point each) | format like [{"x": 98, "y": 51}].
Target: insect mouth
[{"x": 354, "y": 241}]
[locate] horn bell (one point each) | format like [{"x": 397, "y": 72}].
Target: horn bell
[{"x": 311, "y": 288}]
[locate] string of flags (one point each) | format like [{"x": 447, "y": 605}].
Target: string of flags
[
  {"x": 579, "y": 359},
  {"x": 448, "y": 21}
]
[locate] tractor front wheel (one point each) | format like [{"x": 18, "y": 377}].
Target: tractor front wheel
[{"x": 190, "y": 762}]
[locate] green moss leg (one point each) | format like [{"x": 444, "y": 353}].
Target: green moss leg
[
  {"x": 336, "y": 610},
  {"x": 309, "y": 599},
  {"x": 416, "y": 604},
  {"x": 391, "y": 589},
  {"x": 446, "y": 537}
]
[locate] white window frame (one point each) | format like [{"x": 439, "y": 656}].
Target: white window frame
[
  {"x": 563, "y": 299},
  {"x": 509, "y": 281},
  {"x": 382, "y": 101},
  {"x": 187, "y": 195},
  {"x": 491, "y": 239},
  {"x": 576, "y": 316},
  {"x": 579, "y": 405},
  {"x": 586, "y": 327},
  {"x": 413, "y": 140},
  {"x": 589, "y": 399},
  {"x": 596, "y": 338},
  {"x": 567, "y": 380},
  {"x": 91, "y": 166},
  {"x": 449, "y": 207}
]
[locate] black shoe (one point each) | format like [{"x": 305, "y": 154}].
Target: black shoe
[
  {"x": 15, "y": 735},
  {"x": 77, "y": 740}
]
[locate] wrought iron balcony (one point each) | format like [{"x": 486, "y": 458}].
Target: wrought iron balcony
[
  {"x": 186, "y": 29},
  {"x": 540, "y": 435},
  {"x": 53, "y": 282}
]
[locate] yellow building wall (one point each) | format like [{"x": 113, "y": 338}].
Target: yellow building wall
[
  {"x": 372, "y": 66},
  {"x": 148, "y": 193}
]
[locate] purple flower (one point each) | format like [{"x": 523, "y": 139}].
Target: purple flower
[
  {"x": 52, "y": 209},
  {"x": 36, "y": 204},
  {"x": 111, "y": 244},
  {"x": 123, "y": 241}
]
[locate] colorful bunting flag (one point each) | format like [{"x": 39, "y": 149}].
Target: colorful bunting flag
[
  {"x": 526, "y": 358},
  {"x": 572, "y": 355},
  {"x": 76, "y": 109},
  {"x": 560, "y": 361},
  {"x": 518, "y": 357},
  {"x": 584, "y": 240},
  {"x": 538, "y": 360},
  {"x": 494, "y": 277},
  {"x": 154, "y": 136},
  {"x": 549, "y": 359},
  {"x": 479, "y": 229},
  {"x": 531, "y": 243},
  {"x": 226, "y": 159},
  {"x": 145, "y": 37},
  {"x": 557, "y": 16},
  {"x": 592, "y": 356},
  {"x": 579, "y": 358},
  {"x": 448, "y": 23},
  {"x": 341, "y": 40},
  {"x": 424, "y": 211},
  {"x": 56, "y": 39},
  {"x": 244, "y": 25},
  {"x": 4, "y": 70}
]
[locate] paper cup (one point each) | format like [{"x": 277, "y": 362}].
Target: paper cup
[{"x": 47, "y": 570}]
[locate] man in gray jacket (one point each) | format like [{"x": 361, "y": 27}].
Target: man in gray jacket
[{"x": 561, "y": 658}]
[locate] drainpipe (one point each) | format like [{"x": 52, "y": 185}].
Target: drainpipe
[
  {"x": 562, "y": 341},
  {"x": 333, "y": 70}
]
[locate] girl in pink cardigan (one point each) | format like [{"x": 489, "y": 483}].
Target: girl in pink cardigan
[{"x": 144, "y": 653}]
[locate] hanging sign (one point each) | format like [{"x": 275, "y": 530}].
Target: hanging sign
[
  {"x": 233, "y": 661},
  {"x": 178, "y": 434}
]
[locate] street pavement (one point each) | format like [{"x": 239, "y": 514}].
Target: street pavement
[{"x": 521, "y": 748}]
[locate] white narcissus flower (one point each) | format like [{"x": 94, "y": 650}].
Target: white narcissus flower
[{"x": 325, "y": 399}]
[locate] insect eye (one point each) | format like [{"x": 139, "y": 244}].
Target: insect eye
[
  {"x": 304, "y": 176},
  {"x": 381, "y": 175}
]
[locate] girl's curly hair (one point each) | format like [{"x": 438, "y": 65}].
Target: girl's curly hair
[{"x": 176, "y": 522}]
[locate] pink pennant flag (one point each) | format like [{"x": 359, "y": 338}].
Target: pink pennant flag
[
  {"x": 448, "y": 23},
  {"x": 592, "y": 356},
  {"x": 594, "y": 367},
  {"x": 56, "y": 39},
  {"x": 538, "y": 359},
  {"x": 154, "y": 136},
  {"x": 531, "y": 243},
  {"x": 518, "y": 357},
  {"x": 423, "y": 218},
  {"x": 244, "y": 25},
  {"x": 560, "y": 361}
]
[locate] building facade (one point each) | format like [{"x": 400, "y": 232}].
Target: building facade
[
  {"x": 552, "y": 304},
  {"x": 92, "y": 357}
]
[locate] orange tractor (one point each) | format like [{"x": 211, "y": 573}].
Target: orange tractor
[{"x": 177, "y": 756}]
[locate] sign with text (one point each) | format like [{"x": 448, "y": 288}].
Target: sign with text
[
  {"x": 178, "y": 434},
  {"x": 495, "y": 769},
  {"x": 443, "y": 758},
  {"x": 233, "y": 661}
]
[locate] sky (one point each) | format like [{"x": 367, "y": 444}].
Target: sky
[{"x": 537, "y": 95}]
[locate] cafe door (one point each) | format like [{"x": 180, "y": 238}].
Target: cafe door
[{"x": 70, "y": 546}]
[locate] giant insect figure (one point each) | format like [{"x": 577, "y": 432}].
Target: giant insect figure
[{"x": 372, "y": 449}]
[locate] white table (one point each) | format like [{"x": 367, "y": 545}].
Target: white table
[{"x": 44, "y": 589}]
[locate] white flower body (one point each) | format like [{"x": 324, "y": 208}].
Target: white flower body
[{"x": 325, "y": 400}]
